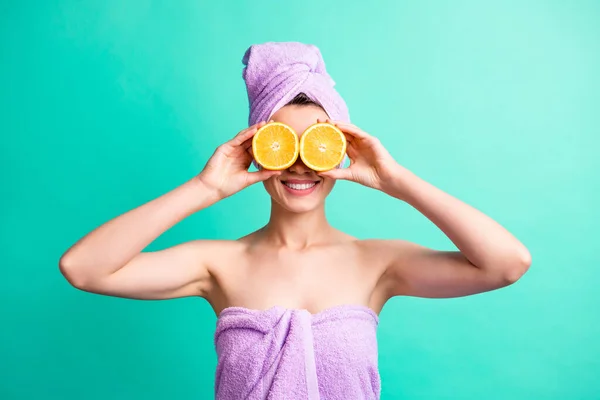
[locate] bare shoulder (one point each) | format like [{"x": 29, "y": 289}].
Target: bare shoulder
[
  {"x": 221, "y": 255},
  {"x": 383, "y": 254},
  {"x": 383, "y": 251},
  {"x": 218, "y": 251},
  {"x": 376, "y": 255}
]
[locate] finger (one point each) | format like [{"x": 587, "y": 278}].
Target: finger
[
  {"x": 250, "y": 152},
  {"x": 247, "y": 145},
  {"x": 352, "y": 130},
  {"x": 349, "y": 137},
  {"x": 262, "y": 175},
  {"x": 243, "y": 150},
  {"x": 246, "y": 134},
  {"x": 339, "y": 173},
  {"x": 255, "y": 126},
  {"x": 351, "y": 151},
  {"x": 246, "y": 159}
]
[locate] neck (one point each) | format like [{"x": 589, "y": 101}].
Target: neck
[{"x": 296, "y": 230}]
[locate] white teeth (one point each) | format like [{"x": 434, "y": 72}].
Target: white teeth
[{"x": 300, "y": 186}]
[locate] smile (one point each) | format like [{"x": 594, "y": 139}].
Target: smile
[{"x": 300, "y": 187}]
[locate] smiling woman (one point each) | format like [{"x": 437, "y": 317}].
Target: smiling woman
[
  {"x": 299, "y": 188},
  {"x": 297, "y": 301}
]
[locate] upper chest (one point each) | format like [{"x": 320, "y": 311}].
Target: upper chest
[{"x": 315, "y": 278}]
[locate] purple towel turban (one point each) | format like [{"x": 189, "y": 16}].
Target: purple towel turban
[{"x": 276, "y": 72}]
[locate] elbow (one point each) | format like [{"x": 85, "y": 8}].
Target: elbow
[
  {"x": 517, "y": 268},
  {"x": 72, "y": 273}
]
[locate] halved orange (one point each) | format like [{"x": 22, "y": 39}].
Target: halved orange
[
  {"x": 275, "y": 146},
  {"x": 322, "y": 147}
]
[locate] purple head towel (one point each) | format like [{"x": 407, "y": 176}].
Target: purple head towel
[
  {"x": 276, "y": 72},
  {"x": 290, "y": 354}
]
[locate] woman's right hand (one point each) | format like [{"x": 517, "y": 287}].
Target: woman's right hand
[{"x": 226, "y": 172}]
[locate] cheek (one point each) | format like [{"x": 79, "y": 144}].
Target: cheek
[
  {"x": 271, "y": 185},
  {"x": 328, "y": 185}
]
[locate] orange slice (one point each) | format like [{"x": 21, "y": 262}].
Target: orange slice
[
  {"x": 322, "y": 147},
  {"x": 275, "y": 146}
]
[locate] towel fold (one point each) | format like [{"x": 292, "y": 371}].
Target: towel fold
[
  {"x": 291, "y": 354},
  {"x": 276, "y": 72}
]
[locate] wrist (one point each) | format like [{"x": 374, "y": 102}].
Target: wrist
[
  {"x": 400, "y": 183},
  {"x": 202, "y": 194}
]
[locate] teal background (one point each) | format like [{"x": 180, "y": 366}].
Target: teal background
[{"x": 105, "y": 105}]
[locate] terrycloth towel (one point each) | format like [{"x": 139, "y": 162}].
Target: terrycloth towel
[
  {"x": 291, "y": 354},
  {"x": 275, "y": 72}
]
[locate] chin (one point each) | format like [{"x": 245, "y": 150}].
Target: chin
[
  {"x": 299, "y": 195},
  {"x": 300, "y": 207}
]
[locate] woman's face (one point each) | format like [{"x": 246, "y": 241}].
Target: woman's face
[{"x": 299, "y": 188}]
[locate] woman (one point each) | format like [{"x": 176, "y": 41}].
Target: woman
[{"x": 297, "y": 301}]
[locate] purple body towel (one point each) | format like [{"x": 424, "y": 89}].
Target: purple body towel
[{"x": 284, "y": 353}]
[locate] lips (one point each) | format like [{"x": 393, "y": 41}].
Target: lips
[{"x": 300, "y": 187}]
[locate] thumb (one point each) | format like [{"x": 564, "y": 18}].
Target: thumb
[
  {"x": 262, "y": 175},
  {"x": 338, "y": 173}
]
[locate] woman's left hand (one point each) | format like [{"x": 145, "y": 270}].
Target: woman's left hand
[{"x": 370, "y": 163}]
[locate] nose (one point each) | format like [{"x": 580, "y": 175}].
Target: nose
[{"x": 299, "y": 167}]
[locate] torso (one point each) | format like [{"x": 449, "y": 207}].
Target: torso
[
  {"x": 260, "y": 293},
  {"x": 343, "y": 271}
]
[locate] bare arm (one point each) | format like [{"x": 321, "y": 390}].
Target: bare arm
[
  {"x": 489, "y": 257},
  {"x": 110, "y": 259}
]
